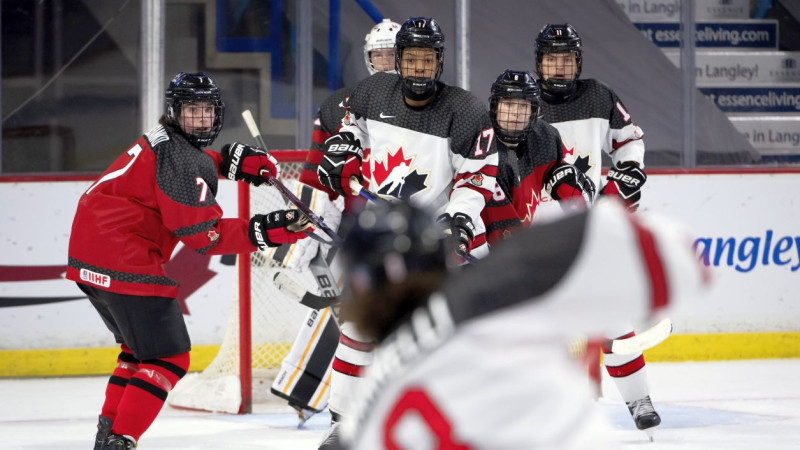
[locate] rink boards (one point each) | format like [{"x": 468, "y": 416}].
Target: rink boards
[{"x": 744, "y": 226}]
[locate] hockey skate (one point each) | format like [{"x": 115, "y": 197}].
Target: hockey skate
[
  {"x": 303, "y": 414},
  {"x": 117, "y": 442},
  {"x": 644, "y": 415},
  {"x": 103, "y": 430}
]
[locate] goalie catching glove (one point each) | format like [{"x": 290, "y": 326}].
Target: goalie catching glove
[
  {"x": 342, "y": 160},
  {"x": 566, "y": 182},
  {"x": 277, "y": 228},
  {"x": 461, "y": 229},
  {"x": 243, "y": 162},
  {"x": 626, "y": 181}
]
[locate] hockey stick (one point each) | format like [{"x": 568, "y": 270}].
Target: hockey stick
[
  {"x": 642, "y": 341},
  {"x": 357, "y": 189},
  {"x": 312, "y": 217}
]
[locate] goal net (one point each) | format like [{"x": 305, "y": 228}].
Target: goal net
[{"x": 262, "y": 323}]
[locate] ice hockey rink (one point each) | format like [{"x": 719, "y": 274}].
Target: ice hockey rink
[{"x": 749, "y": 404}]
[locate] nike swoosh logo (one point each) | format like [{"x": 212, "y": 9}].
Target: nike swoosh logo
[{"x": 383, "y": 116}]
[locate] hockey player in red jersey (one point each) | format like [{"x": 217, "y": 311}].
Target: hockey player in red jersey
[
  {"x": 428, "y": 143},
  {"x": 307, "y": 365},
  {"x": 158, "y": 193},
  {"x": 477, "y": 359},
  {"x": 592, "y": 119},
  {"x": 530, "y": 155}
]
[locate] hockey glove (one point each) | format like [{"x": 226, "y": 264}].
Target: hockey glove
[
  {"x": 243, "y": 162},
  {"x": 342, "y": 160},
  {"x": 461, "y": 229},
  {"x": 626, "y": 181},
  {"x": 566, "y": 183},
  {"x": 276, "y": 228}
]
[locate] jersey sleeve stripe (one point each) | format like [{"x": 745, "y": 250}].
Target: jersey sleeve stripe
[{"x": 655, "y": 267}]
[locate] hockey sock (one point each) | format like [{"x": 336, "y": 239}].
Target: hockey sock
[
  {"x": 353, "y": 354},
  {"x": 127, "y": 365},
  {"x": 146, "y": 392},
  {"x": 628, "y": 372}
]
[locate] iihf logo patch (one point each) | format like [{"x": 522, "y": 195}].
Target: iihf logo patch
[{"x": 213, "y": 235}]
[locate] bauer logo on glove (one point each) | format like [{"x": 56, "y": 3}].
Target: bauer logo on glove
[{"x": 342, "y": 161}]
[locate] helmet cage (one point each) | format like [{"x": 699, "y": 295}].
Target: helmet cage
[
  {"x": 191, "y": 88},
  {"x": 558, "y": 38},
  {"x": 419, "y": 32},
  {"x": 513, "y": 84},
  {"x": 382, "y": 35}
]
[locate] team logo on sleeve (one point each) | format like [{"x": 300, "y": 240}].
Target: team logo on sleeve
[
  {"x": 213, "y": 235},
  {"x": 476, "y": 180}
]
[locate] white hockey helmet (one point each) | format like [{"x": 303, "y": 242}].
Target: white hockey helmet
[{"x": 380, "y": 36}]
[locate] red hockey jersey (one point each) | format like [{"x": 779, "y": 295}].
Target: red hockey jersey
[
  {"x": 521, "y": 173},
  {"x": 161, "y": 191}
]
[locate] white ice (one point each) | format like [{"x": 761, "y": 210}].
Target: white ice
[{"x": 704, "y": 405}]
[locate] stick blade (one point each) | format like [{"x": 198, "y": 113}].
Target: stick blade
[{"x": 643, "y": 341}]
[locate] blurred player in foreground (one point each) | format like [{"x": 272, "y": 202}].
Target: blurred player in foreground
[
  {"x": 478, "y": 359},
  {"x": 592, "y": 120},
  {"x": 158, "y": 193}
]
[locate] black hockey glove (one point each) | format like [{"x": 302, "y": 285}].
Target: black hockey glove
[
  {"x": 461, "y": 229},
  {"x": 626, "y": 181},
  {"x": 277, "y": 228},
  {"x": 342, "y": 161},
  {"x": 243, "y": 162},
  {"x": 567, "y": 184}
]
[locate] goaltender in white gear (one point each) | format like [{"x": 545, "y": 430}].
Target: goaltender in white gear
[
  {"x": 305, "y": 373},
  {"x": 482, "y": 363}
]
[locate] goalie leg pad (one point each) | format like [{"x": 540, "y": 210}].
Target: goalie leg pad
[
  {"x": 353, "y": 354},
  {"x": 304, "y": 377}
]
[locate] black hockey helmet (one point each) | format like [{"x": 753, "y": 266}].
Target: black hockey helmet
[
  {"x": 558, "y": 38},
  {"x": 188, "y": 88},
  {"x": 383, "y": 245},
  {"x": 419, "y": 32},
  {"x": 520, "y": 85}
]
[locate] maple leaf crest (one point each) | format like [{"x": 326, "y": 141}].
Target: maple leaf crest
[
  {"x": 397, "y": 176},
  {"x": 530, "y": 207}
]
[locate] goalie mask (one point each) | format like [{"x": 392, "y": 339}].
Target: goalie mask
[
  {"x": 194, "y": 104},
  {"x": 558, "y": 60},
  {"x": 514, "y": 105},
  {"x": 422, "y": 41},
  {"x": 380, "y": 37}
]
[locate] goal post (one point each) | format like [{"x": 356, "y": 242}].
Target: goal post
[{"x": 263, "y": 321}]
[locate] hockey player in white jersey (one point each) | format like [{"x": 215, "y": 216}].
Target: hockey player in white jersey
[
  {"x": 477, "y": 359},
  {"x": 592, "y": 119},
  {"x": 436, "y": 138}
]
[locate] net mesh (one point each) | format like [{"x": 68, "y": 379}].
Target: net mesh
[{"x": 275, "y": 318}]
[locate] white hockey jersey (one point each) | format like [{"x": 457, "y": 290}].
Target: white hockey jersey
[
  {"x": 441, "y": 157},
  {"x": 592, "y": 121},
  {"x": 484, "y": 364}
]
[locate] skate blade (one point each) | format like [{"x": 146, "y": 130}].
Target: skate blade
[
  {"x": 650, "y": 432},
  {"x": 302, "y": 416}
]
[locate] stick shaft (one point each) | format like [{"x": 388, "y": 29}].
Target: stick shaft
[{"x": 313, "y": 217}]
